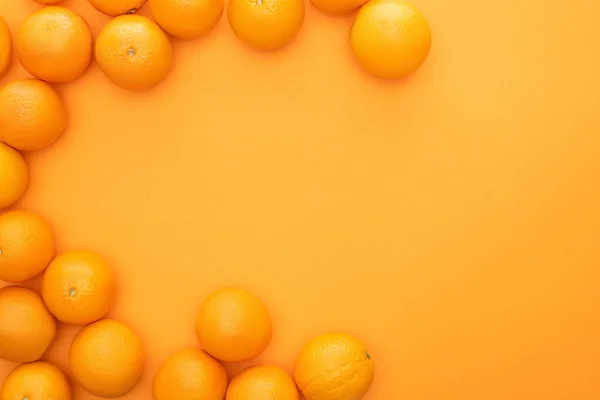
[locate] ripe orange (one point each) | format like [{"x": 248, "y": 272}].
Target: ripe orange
[
  {"x": 133, "y": 52},
  {"x": 26, "y": 326},
  {"x": 266, "y": 24},
  {"x": 26, "y": 245},
  {"x": 36, "y": 381},
  {"x": 233, "y": 325},
  {"x": 114, "y": 8},
  {"x": 337, "y": 7},
  {"x": 13, "y": 176},
  {"x": 263, "y": 382},
  {"x": 55, "y": 44},
  {"x": 32, "y": 114},
  {"x": 107, "y": 358},
  {"x": 79, "y": 287},
  {"x": 187, "y": 19},
  {"x": 334, "y": 366},
  {"x": 390, "y": 38},
  {"x": 5, "y": 46},
  {"x": 190, "y": 374}
]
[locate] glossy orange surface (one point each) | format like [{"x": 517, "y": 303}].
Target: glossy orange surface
[{"x": 451, "y": 220}]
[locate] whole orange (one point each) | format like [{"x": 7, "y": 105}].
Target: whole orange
[
  {"x": 266, "y": 24},
  {"x": 5, "y": 46},
  {"x": 36, "y": 381},
  {"x": 26, "y": 326},
  {"x": 233, "y": 325},
  {"x": 190, "y": 374},
  {"x": 114, "y": 8},
  {"x": 133, "y": 52},
  {"x": 26, "y": 245},
  {"x": 55, "y": 44},
  {"x": 390, "y": 38},
  {"x": 187, "y": 19},
  {"x": 32, "y": 114},
  {"x": 337, "y": 7},
  {"x": 13, "y": 176},
  {"x": 79, "y": 287},
  {"x": 263, "y": 382},
  {"x": 334, "y": 366},
  {"x": 107, "y": 358}
]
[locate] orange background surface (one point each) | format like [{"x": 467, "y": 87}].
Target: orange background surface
[{"x": 450, "y": 220}]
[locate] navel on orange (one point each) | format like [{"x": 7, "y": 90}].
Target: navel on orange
[
  {"x": 55, "y": 44},
  {"x": 79, "y": 287},
  {"x": 114, "y": 8},
  {"x": 263, "y": 382},
  {"x": 5, "y": 46},
  {"x": 36, "y": 381},
  {"x": 266, "y": 24},
  {"x": 133, "y": 52},
  {"x": 390, "y": 38},
  {"x": 187, "y": 19},
  {"x": 13, "y": 176},
  {"x": 337, "y": 7},
  {"x": 32, "y": 114}
]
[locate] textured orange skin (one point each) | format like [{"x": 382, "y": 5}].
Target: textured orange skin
[
  {"x": 263, "y": 382},
  {"x": 32, "y": 115},
  {"x": 107, "y": 358},
  {"x": 5, "y": 46},
  {"x": 233, "y": 325},
  {"x": 390, "y": 38},
  {"x": 337, "y": 7},
  {"x": 266, "y": 24},
  {"x": 36, "y": 381},
  {"x": 79, "y": 287},
  {"x": 334, "y": 366},
  {"x": 190, "y": 374},
  {"x": 26, "y": 326},
  {"x": 114, "y": 8},
  {"x": 26, "y": 245},
  {"x": 133, "y": 52},
  {"x": 13, "y": 176},
  {"x": 187, "y": 19},
  {"x": 55, "y": 44}
]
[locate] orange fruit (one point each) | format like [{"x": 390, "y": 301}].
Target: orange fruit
[
  {"x": 390, "y": 38},
  {"x": 26, "y": 245},
  {"x": 133, "y": 52},
  {"x": 26, "y": 326},
  {"x": 334, "y": 366},
  {"x": 114, "y": 8},
  {"x": 187, "y": 19},
  {"x": 79, "y": 287},
  {"x": 36, "y": 381},
  {"x": 263, "y": 382},
  {"x": 233, "y": 325},
  {"x": 5, "y": 46},
  {"x": 337, "y": 7},
  {"x": 266, "y": 24},
  {"x": 107, "y": 358},
  {"x": 32, "y": 114},
  {"x": 13, "y": 176},
  {"x": 190, "y": 374},
  {"x": 47, "y": 2},
  {"x": 55, "y": 44}
]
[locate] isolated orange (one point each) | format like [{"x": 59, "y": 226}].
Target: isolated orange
[
  {"x": 55, "y": 44},
  {"x": 5, "y": 46},
  {"x": 390, "y": 38},
  {"x": 263, "y": 382},
  {"x": 337, "y": 7},
  {"x": 32, "y": 114},
  {"x": 26, "y": 245},
  {"x": 26, "y": 326},
  {"x": 187, "y": 19},
  {"x": 233, "y": 325},
  {"x": 36, "y": 381},
  {"x": 107, "y": 358},
  {"x": 117, "y": 7},
  {"x": 266, "y": 24},
  {"x": 13, "y": 176},
  {"x": 133, "y": 52},
  {"x": 190, "y": 374},
  {"x": 334, "y": 366},
  {"x": 79, "y": 287}
]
